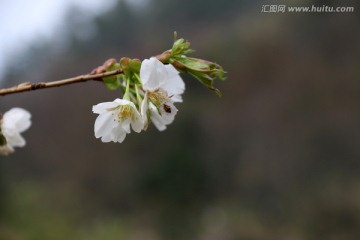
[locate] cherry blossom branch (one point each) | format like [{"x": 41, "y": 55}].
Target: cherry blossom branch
[
  {"x": 27, "y": 86},
  {"x": 96, "y": 75},
  {"x": 150, "y": 88}
]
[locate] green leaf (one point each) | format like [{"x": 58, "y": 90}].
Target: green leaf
[
  {"x": 113, "y": 67},
  {"x": 204, "y": 71},
  {"x": 205, "y": 80},
  {"x": 112, "y": 82},
  {"x": 193, "y": 64},
  {"x": 180, "y": 48}
]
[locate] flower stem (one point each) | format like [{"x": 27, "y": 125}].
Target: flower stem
[
  {"x": 138, "y": 97},
  {"x": 127, "y": 91}
]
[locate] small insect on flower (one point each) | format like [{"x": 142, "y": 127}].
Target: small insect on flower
[
  {"x": 163, "y": 87},
  {"x": 167, "y": 108}
]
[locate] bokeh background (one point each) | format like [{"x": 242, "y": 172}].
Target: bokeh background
[{"x": 277, "y": 157}]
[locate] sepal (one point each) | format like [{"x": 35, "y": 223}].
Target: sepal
[
  {"x": 112, "y": 82},
  {"x": 204, "y": 71}
]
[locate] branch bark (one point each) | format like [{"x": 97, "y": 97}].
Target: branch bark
[
  {"x": 96, "y": 75},
  {"x": 27, "y": 86}
]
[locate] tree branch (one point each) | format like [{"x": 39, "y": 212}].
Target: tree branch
[
  {"x": 27, "y": 86},
  {"x": 96, "y": 75}
]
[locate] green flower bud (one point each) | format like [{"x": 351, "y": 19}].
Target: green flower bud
[
  {"x": 204, "y": 71},
  {"x": 111, "y": 82},
  {"x": 131, "y": 68}
]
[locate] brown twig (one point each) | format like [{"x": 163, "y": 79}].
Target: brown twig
[
  {"x": 27, "y": 86},
  {"x": 97, "y": 74}
]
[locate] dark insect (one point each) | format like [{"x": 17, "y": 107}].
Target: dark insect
[{"x": 167, "y": 108}]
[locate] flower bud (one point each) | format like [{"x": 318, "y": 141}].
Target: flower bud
[
  {"x": 109, "y": 63},
  {"x": 204, "y": 71},
  {"x": 164, "y": 57},
  {"x": 130, "y": 65},
  {"x": 110, "y": 82},
  {"x": 98, "y": 70}
]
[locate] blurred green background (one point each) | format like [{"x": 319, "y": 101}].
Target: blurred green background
[{"x": 277, "y": 157}]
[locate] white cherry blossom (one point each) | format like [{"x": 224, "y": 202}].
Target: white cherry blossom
[
  {"x": 13, "y": 122},
  {"x": 115, "y": 118},
  {"x": 163, "y": 86},
  {"x": 155, "y": 75}
]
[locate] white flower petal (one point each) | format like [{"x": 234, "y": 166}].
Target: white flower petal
[
  {"x": 118, "y": 134},
  {"x": 104, "y": 124},
  {"x": 115, "y": 121},
  {"x": 17, "y": 119},
  {"x": 103, "y": 107},
  {"x": 126, "y": 102},
  {"x": 126, "y": 125},
  {"x": 14, "y": 121},
  {"x": 176, "y": 98},
  {"x": 168, "y": 112},
  {"x": 15, "y": 140},
  {"x": 106, "y": 138},
  {"x": 156, "y": 118},
  {"x": 173, "y": 76},
  {"x": 171, "y": 70},
  {"x": 138, "y": 123},
  {"x": 119, "y": 101},
  {"x": 144, "y": 109},
  {"x": 159, "y": 125},
  {"x": 153, "y": 74},
  {"x": 174, "y": 84}
]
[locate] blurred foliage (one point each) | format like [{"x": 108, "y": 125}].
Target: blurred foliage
[{"x": 277, "y": 157}]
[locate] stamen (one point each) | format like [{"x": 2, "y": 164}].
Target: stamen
[
  {"x": 125, "y": 112},
  {"x": 158, "y": 96}
]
